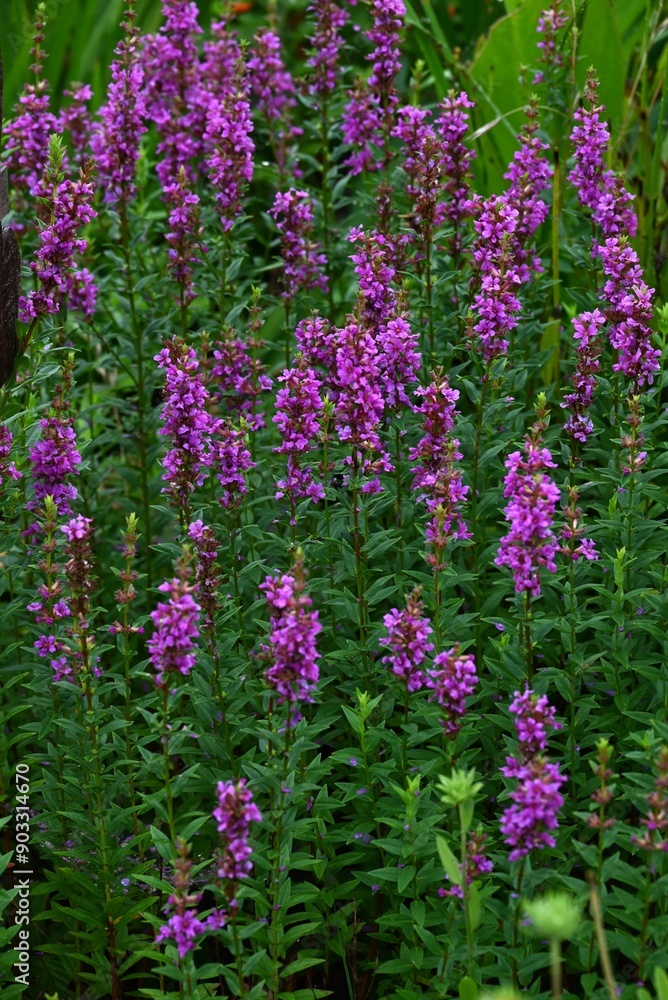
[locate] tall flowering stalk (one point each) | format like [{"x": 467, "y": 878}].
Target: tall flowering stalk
[
  {"x": 176, "y": 99},
  {"x": 654, "y": 839},
  {"x": 599, "y": 188},
  {"x": 292, "y": 676},
  {"x": 234, "y": 814},
  {"x": 437, "y": 479},
  {"x": 273, "y": 88},
  {"x": 184, "y": 239},
  {"x": 369, "y": 116},
  {"x": 326, "y": 44},
  {"x": 229, "y": 162},
  {"x": 298, "y": 413},
  {"x": 237, "y": 378},
  {"x": 28, "y": 132},
  {"x": 183, "y": 925},
  {"x": 173, "y": 653},
  {"x": 78, "y": 569},
  {"x": 452, "y": 126},
  {"x": 185, "y": 420},
  {"x": 453, "y": 679},
  {"x": 579, "y": 425},
  {"x": 116, "y": 139},
  {"x": 629, "y": 313},
  {"x": 423, "y": 164},
  {"x": 528, "y": 824},
  {"x": 292, "y": 212},
  {"x": 55, "y": 457},
  {"x": 407, "y": 633},
  {"x": 292, "y": 652},
  {"x": 76, "y": 119},
  {"x": 70, "y": 210}
]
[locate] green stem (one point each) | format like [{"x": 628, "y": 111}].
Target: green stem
[
  {"x": 142, "y": 436},
  {"x": 167, "y": 764},
  {"x": 555, "y": 967},
  {"x": 466, "y": 898}
]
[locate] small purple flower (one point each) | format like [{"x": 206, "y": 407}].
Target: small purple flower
[
  {"x": 407, "y": 632},
  {"x": 8, "y": 469}
]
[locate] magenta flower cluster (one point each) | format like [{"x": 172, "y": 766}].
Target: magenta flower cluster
[
  {"x": 327, "y": 42},
  {"x": 116, "y": 139},
  {"x": 298, "y": 411},
  {"x": 588, "y": 348},
  {"x": 407, "y": 637},
  {"x": 369, "y": 115},
  {"x": 292, "y": 652},
  {"x": 173, "y": 645},
  {"x": 437, "y": 479},
  {"x": 530, "y": 544},
  {"x": 527, "y": 825},
  {"x": 59, "y": 245},
  {"x": 453, "y": 680},
  {"x": 302, "y": 259},
  {"x": 234, "y": 814}
]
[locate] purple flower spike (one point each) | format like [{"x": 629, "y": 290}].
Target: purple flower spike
[
  {"x": 369, "y": 117},
  {"x": 230, "y": 162},
  {"x": 172, "y": 646},
  {"x": 235, "y": 812},
  {"x": 453, "y": 679},
  {"x": 407, "y": 633},
  {"x": 326, "y": 45},
  {"x": 629, "y": 312},
  {"x": 599, "y": 188},
  {"x": 529, "y": 822},
  {"x": 116, "y": 139},
  {"x": 292, "y": 650},
  {"x": 302, "y": 259},
  {"x": 588, "y": 348},
  {"x": 531, "y": 543},
  {"x": 59, "y": 243},
  {"x": 298, "y": 410}
]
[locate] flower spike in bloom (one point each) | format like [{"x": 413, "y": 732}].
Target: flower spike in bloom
[{"x": 407, "y": 632}]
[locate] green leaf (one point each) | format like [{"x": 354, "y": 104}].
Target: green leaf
[
  {"x": 448, "y": 861},
  {"x": 468, "y": 989},
  {"x": 600, "y": 46},
  {"x": 301, "y": 963},
  {"x": 163, "y": 844},
  {"x": 661, "y": 984},
  {"x": 475, "y": 909}
]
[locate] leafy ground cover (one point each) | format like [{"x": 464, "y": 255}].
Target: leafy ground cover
[{"x": 333, "y": 490}]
